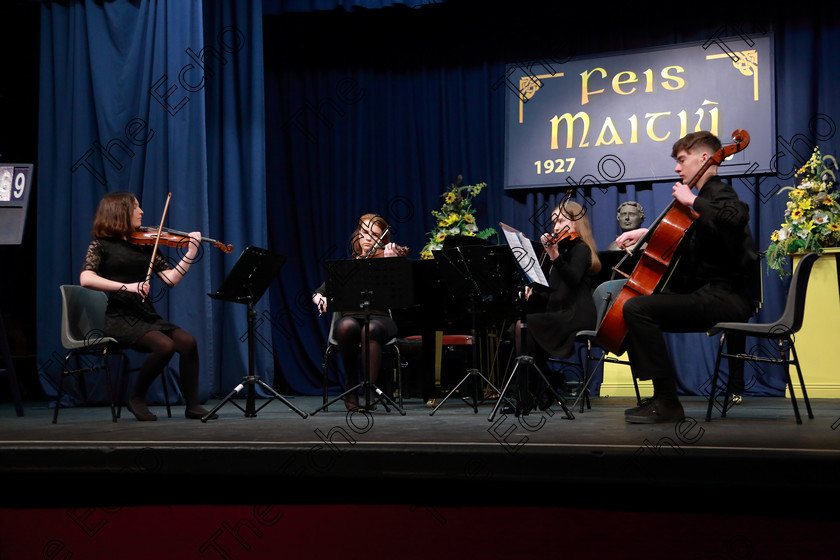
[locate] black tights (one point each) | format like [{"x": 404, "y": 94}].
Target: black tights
[
  {"x": 350, "y": 335},
  {"x": 161, "y": 346}
]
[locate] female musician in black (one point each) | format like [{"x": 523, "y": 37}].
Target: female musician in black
[
  {"x": 554, "y": 317},
  {"x": 371, "y": 239},
  {"x": 118, "y": 267}
]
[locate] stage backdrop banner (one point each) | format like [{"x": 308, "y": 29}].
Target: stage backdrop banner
[{"x": 609, "y": 120}]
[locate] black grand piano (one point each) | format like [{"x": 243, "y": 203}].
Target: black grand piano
[
  {"x": 465, "y": 295},
  {"x": 450, "y": 308}
]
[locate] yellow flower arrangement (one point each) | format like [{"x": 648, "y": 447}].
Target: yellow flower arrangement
[
  {"x": 456, "y": 217},
  {"x": 812, "y": 215}
]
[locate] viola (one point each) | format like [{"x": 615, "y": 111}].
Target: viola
[
  {"x": 171, "y": 238},
  {"x": 660, "y": 246}
]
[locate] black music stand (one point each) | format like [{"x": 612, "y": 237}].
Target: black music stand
[
  {"x": 354, "y": 284},
  {"x": 246, "y": 283},
  {"x": 476, "y": 273},
  {"x": 530, "y": 275}
]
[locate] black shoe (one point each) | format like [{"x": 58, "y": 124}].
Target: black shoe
[
  {"x": 197, "y": 412},
  {"x": 642, "y": 403},
  {"x": 140, "y": 411},
  {"x": 656, "y": 411}
]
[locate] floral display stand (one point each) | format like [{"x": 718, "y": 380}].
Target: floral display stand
[{"x": 816, "y": 342}]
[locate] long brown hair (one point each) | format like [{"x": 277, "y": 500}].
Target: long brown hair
[
  {"x": 573, "y": 211},
  {"x": 368, "y": 221},
  {"x": 113, "y": 217}
]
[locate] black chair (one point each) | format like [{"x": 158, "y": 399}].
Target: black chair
[
  {"x": 390, "y": 348},
  {"x": 82, "y": 320},
  {"x": 603, "y": 296},
  {"x": 782, "y": 331}
]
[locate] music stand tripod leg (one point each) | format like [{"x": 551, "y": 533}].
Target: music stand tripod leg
[
  {"x": 326, "y": 405},
  {"x": 474, "y": 406},
  {"x": 470, "y": 373},
  {"x": 226, "y": 400},
  {"x": 382, "y": 397},
  {"x": 279, "y": 397},
  {"x": 557, "y": 397},
  {"x": 529, "y": 361},
  {"x": 492, "y": 415}
]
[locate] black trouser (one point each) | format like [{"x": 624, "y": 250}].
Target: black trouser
[{"x": 648, "y": 317}]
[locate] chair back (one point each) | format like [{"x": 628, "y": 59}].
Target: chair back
[
  {"x": 795, "y": 305},
  {"x": 82, "y": 317},
  {"x": 604, "y": 295}
]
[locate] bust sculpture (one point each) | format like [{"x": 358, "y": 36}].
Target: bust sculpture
[{"x": 630, "y": 215}]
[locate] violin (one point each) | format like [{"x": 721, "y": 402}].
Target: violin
[
  {"x": 170, "y": 238},
  {"x": 378, "y": 251},
  {"x": 560, "y": 239}
]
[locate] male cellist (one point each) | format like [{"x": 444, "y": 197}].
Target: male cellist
[{"x": 711, "y": 282}]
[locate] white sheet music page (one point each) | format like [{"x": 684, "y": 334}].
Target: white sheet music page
[{"x": 526, "y": 258}]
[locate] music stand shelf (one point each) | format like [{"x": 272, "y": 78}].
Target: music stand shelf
[{"x": 246, "y": 283}]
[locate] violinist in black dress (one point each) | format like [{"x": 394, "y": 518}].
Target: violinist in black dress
[
  {"x": 371, "y": 239},
  {"x": 115, "y": 265},
  {"x": 554, "y": 317}
]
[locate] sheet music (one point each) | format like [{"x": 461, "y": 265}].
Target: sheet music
[{"x": 526, "y": 258}]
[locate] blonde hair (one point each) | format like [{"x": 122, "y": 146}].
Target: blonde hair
[{"x": 576, "y": 213}]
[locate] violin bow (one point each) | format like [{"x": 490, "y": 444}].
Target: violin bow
[{"x": 157, "y": 240}]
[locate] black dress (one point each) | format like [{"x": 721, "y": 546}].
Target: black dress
[
  {"x": 128, "y": 316},
  {"x": 569, "y": 307}
]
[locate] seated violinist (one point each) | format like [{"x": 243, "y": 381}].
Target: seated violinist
[
  {"x": 553, "y": 318},
  {"x": 371, "y": 239},
  {"x": 115, "y": 265}
]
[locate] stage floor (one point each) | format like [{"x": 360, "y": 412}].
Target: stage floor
[
  {"x": 451, "y": 485},
  {"x": 453, "y": 455}
]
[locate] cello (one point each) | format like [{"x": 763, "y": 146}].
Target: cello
[{"x": 660, "y": 246}]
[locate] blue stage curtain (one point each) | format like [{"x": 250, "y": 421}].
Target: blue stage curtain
[
  {"x": 148, "y": 97},
  {"x": 373, "y": 113}
]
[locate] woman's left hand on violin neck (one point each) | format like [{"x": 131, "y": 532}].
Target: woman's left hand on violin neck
[
  {"x": 193, "y": 245},
  {"x": 174, "y": 275},
  {"x": 550, "y": 246}
]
